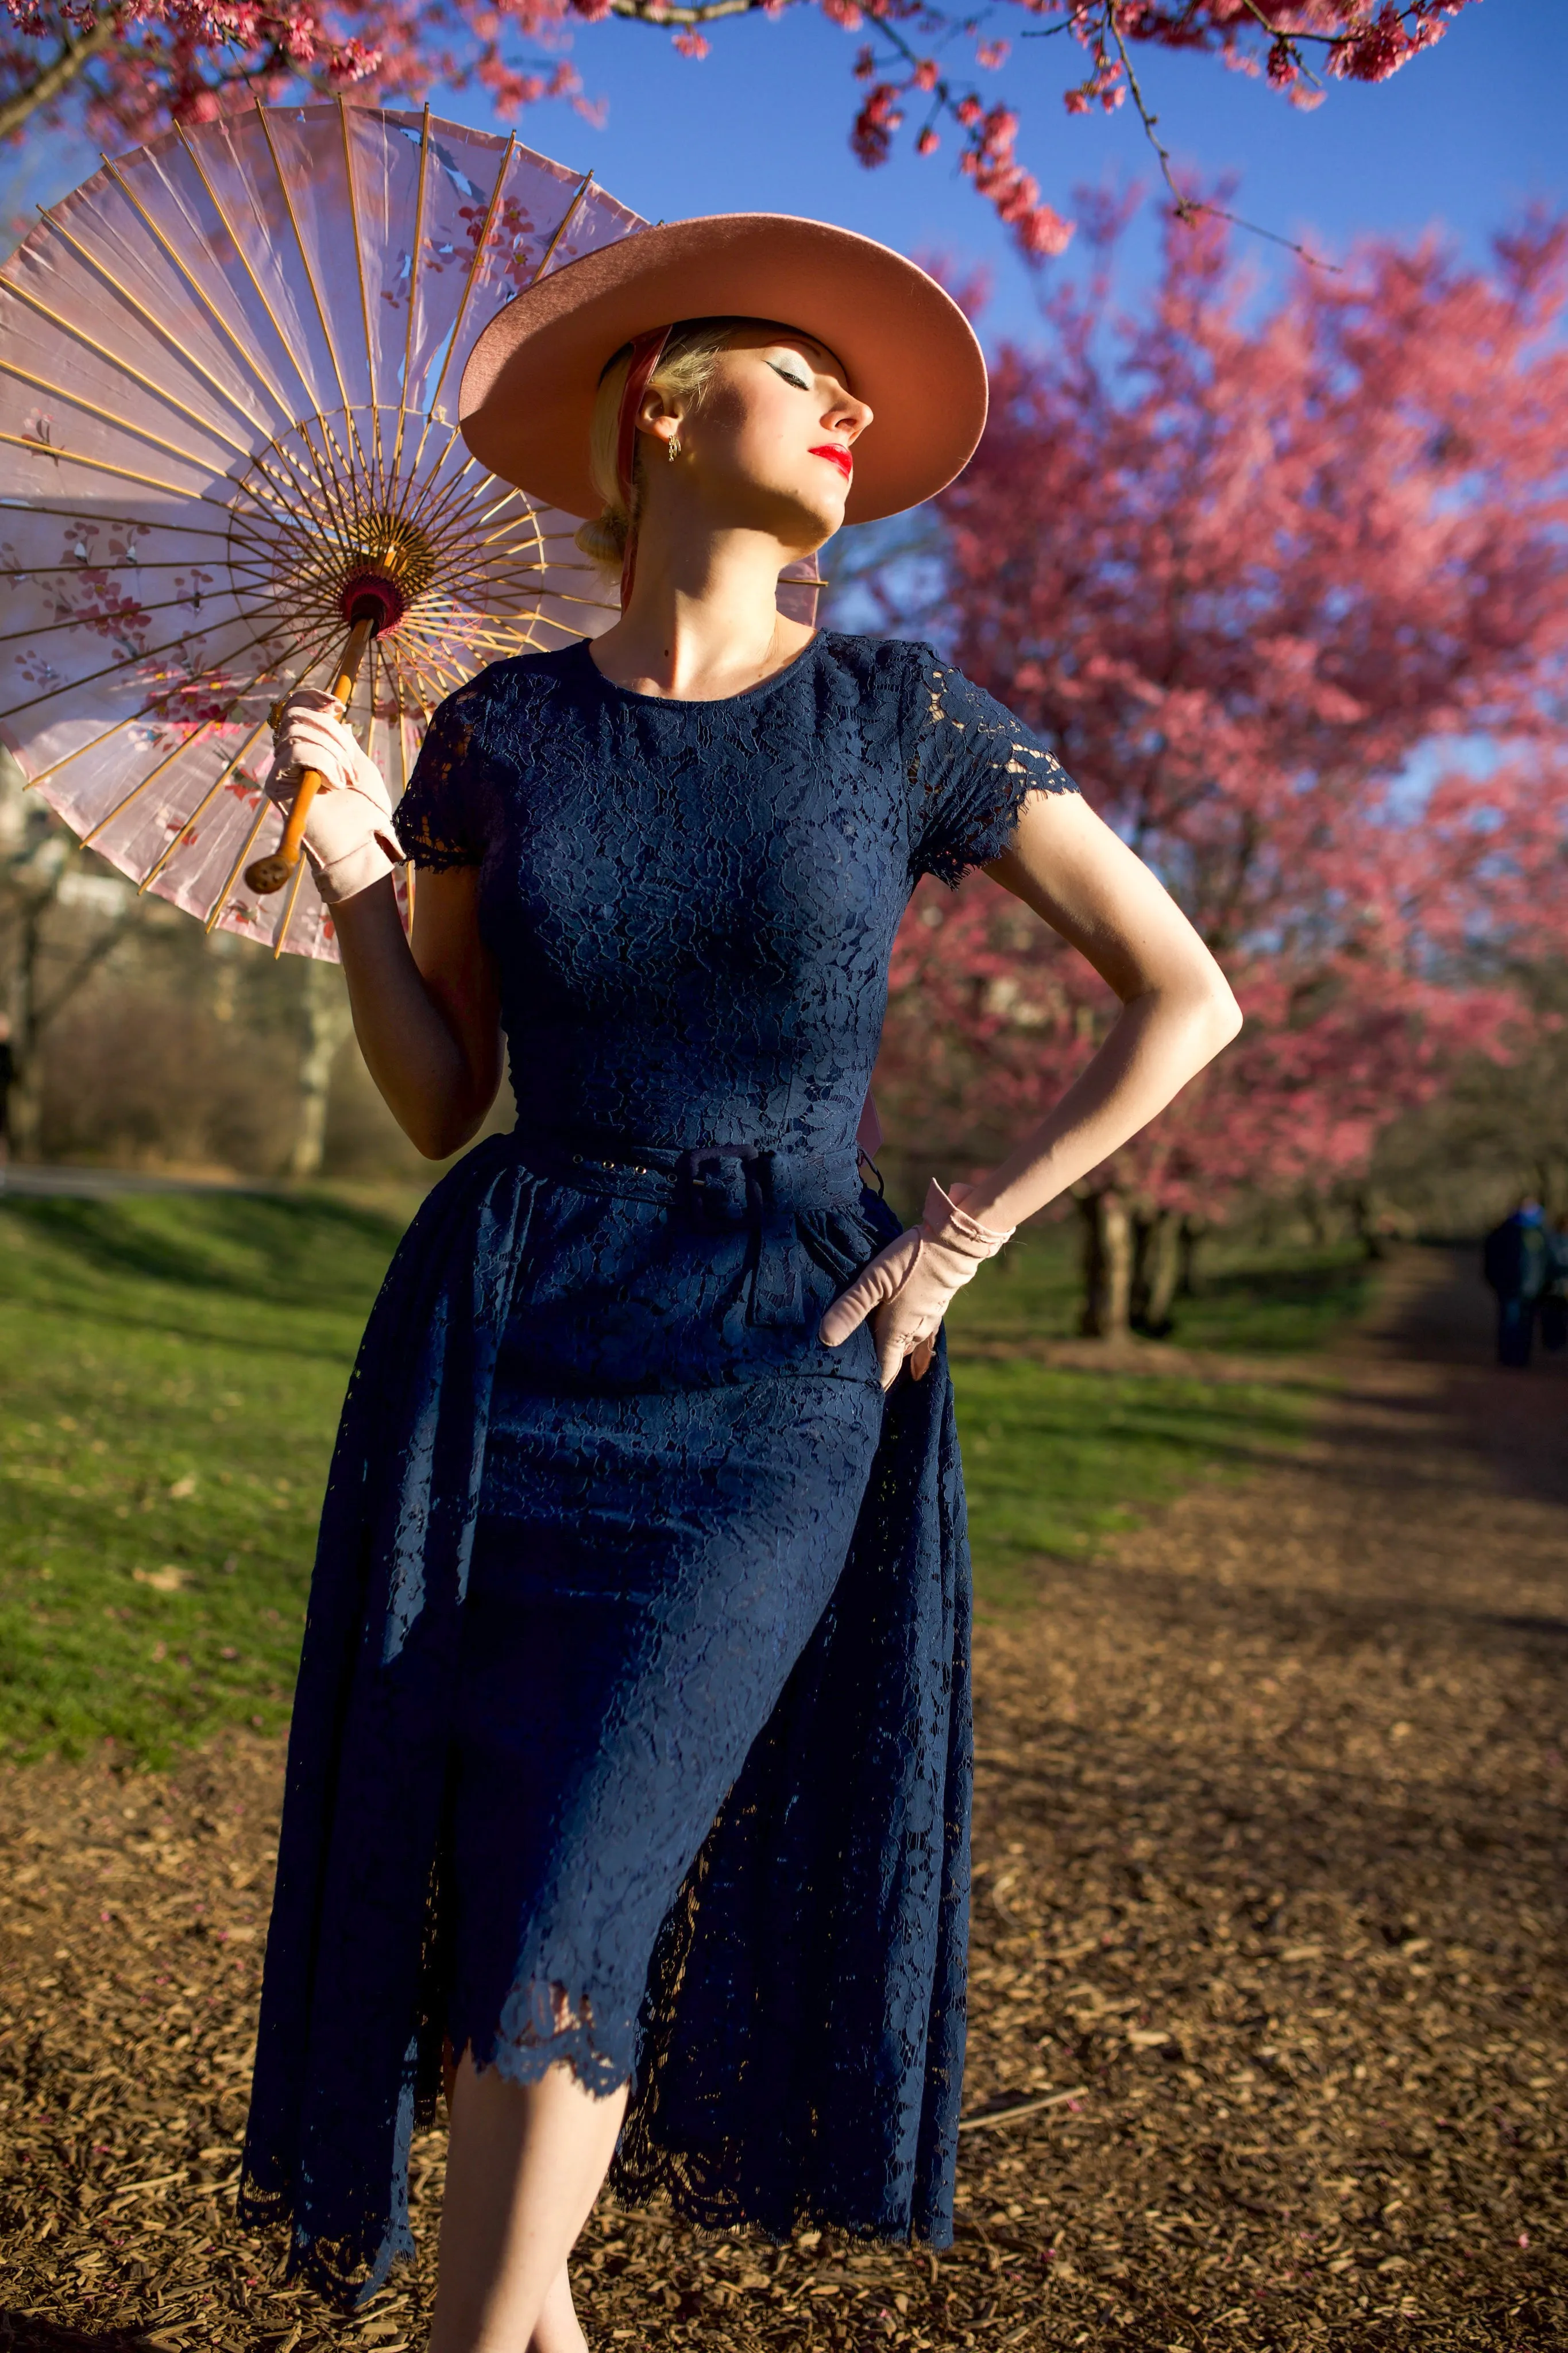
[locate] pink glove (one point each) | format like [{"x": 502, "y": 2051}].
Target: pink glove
[
  {"x": 908, "y": 1287},
  {"x": 350, "y": 838}
]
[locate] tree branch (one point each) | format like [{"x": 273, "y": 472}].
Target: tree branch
[
  {"x": 1188, "y": 207},
  {"x": 87, "y": 963},
  {"x": 54, "y": 78},
  {"x": 1325, "y": 40}
]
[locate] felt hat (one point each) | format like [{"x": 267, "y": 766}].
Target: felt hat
[{"x": 533, "y": 376}]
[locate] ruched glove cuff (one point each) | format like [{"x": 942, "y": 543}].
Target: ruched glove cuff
[{"x": 908, "y": 1287}]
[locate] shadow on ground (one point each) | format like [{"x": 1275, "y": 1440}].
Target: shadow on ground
[{"x": 20, "y": 2333}]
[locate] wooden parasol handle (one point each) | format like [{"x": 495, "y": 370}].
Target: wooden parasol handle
[{"x": 270, "y": 874}]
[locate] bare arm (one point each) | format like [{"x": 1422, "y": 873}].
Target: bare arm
[
  {"x": 1177, "y": 1012},
  {"x": 428, "y": 1017},
  {"x": 1177, "y": 1008}
]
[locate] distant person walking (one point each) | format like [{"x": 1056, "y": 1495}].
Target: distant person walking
[
  {"x": 1554, "y": 1298},
  {"x": 1516, "y": 1266}
]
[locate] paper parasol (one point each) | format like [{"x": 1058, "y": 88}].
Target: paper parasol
[{"x": 228, "y": 431}]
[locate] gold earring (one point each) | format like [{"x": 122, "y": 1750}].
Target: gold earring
[{"x": 673, "y": 447}]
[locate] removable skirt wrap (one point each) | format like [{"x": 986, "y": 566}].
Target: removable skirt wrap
[{"x": 798, "y": 2050}]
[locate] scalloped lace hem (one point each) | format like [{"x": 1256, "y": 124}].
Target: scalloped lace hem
[{"x": 548, "y": 2026}]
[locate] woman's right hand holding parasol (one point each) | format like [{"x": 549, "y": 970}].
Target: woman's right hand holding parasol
[{"x": 350, "y": 838}]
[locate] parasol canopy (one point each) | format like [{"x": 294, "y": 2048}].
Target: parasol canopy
[{"x": 228, "y": 431}]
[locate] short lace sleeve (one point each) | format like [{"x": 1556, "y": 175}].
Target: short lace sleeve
[
  {"x": 971, "y": 766},
  {"x": 436, "y": 817}
]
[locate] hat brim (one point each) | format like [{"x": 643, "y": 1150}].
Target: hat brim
[{"x": 533, "y": 376}]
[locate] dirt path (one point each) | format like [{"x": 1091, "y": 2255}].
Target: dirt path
[{"x": 1270, "y": 1835}]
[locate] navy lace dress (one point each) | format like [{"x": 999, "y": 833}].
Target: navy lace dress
[{"x": 633, "y": 1718}]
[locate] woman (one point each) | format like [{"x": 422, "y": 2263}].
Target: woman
[{"x": 631, "y": 1746}]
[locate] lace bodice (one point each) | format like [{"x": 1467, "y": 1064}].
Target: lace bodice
[{"x": 692, "y": 904}]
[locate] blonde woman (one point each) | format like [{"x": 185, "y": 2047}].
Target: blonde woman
[{"x": 630, "y": 1764}]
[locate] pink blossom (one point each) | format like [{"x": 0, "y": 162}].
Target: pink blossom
[
  {"x": 1237, "y": 571},
  {"x": 989, "y": 162},
  {"x": 970, "y": 288},
  {"x": 871, "y": 136},
  {"x": 1282, "y": 69},
  {"x": 1380, "y": 50}
]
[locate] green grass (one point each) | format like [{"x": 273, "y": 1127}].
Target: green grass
[
  {"x": 1056, "y": 1461},
  {"x": 1254, "y": 1299},
  {"x": 170, "y": 1372}
]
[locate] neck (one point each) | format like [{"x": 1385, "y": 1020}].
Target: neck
[{"x": 703, "y": 621}]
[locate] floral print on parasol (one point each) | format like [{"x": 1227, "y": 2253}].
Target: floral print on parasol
[{"x": 230, "y": 464}]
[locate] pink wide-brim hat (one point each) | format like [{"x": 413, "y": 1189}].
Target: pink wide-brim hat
[{"x": 532, "y": 379}]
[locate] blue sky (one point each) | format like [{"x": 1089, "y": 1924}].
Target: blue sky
[
  {"x": 1457, "y": 139},
  {"x": 1465, "y": 133}
]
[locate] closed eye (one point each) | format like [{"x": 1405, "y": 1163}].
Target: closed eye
[{"x": 798, "y": 382}]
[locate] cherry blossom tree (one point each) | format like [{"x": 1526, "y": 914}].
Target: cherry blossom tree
[
  {"x": 1259, "y": 581},
  {"x": 131, "y": 67}
]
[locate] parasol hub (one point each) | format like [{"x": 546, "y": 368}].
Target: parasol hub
[
  {"x": 371, "y": 597},
  {"x": 386, "y": 565}
]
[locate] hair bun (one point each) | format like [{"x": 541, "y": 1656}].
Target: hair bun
[{"x": 604, "y": 540}]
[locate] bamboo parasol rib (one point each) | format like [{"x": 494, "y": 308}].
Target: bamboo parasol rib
[{"x": 230, "y": 464}]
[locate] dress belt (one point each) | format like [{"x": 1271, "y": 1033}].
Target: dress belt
[{"x": 718, "y": 1185}]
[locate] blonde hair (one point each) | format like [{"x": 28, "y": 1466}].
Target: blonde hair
[{"x": 684, "y": 372}]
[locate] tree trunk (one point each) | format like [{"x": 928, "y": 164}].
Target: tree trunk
[
  {"x": 1366, "y": 1211},
  {"x": 1549, "y": 1191},
  {"x": 1144, "y": 1222},
  {"x": 1193, "y": 1230},
  {"x": 327, "y": 1023},
  {"x": 1321, "y": 1220},
  {"x": 30, "y": 1015},
  {"x": 23, "y": 1101},
  {"x": 57, "y": 76},
  {"x": 1156, "y": 1269},
  {"x": 1107, "y": 1267}
]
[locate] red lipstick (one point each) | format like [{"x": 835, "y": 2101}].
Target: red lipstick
[{"x": 837, "y": 455}]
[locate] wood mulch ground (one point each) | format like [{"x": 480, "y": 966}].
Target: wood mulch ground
[{"x": 1268, "y": 1952}]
